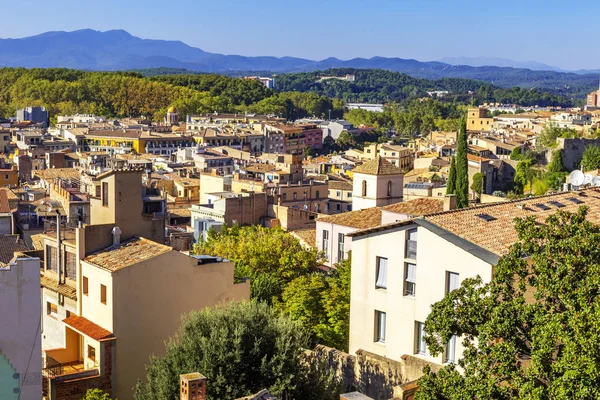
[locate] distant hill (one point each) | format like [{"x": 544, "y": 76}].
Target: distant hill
[
  {"x": 118, "y": 50},
  {"x": 499, "y": 62}
]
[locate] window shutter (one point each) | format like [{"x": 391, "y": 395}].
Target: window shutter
[
  {"x": 382, "y": 273},
  {"x": 411, "y": 273}
]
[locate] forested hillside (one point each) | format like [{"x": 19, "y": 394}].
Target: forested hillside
[{"x": 121, "y": 94}]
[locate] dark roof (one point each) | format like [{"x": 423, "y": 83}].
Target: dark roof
[{"x": 9, "y": 245}]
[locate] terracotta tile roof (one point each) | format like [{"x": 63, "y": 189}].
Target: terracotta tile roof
[
  {"x": 339, "y": 185},
  {"x": 9, "y": 244},
  {"x": 260, "y": 168},
  {"x": 308, "y": 236},
  {"x": 498, "y": 233},
  {"x": 4, "y": 206},
  {"x": 180, "y": 212},
  {"x": 52, "y": 173},
  {"x": 417, "y": 207},
  {"x": 360, "y": 219},
  {"x": 48, "y": 280},
  {"x": 378, "y": 166},
  {"x": 129, "y": 253},
  {"x": 88, "y": 328}
]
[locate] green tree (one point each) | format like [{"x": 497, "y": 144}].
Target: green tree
[
  {"x": 241, "y": 348},
  {"x": 321, "y": 303},
  {"x": 271, "y": 258},
  {"x": 551, "y": 132},
  {"x": 477, "y": 185},
  {"x": 532, "y": 332},
  {"x": 525, "y": 173},
  {"x": 96, "y": 394},
  {"x": 462, "y": 166},
  {"x": 346, "y": 140},
  {"x": 591, "y": 158},
  {"x": 555, "y": 174},
  {"x": 516, "y": 154},
  {"x": 451, "y": 184}
]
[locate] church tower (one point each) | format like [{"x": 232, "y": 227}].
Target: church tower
[
  {"x": 172, "y": 116},
  {"x": 376, "y": 183}
]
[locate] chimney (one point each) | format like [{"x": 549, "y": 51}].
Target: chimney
[
  {"x": 192, "y": 386},
  {"x": 450, "y": 202},
  {"x": 116, "y": 232}
]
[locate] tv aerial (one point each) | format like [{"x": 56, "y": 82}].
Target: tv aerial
[{"x": 577, "y": 178}]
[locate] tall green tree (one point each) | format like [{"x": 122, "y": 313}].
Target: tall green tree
[
  {"x": 591, "y": 158},
  {"x": 241, "y": 348},
  {"x": 462, "y": 166},
  {"x": 532, "y": 332},
  {"x": 556, "y": 172},
  {"x": 451, "y": 184}
]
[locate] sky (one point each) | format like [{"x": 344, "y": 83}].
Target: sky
[{"x": 547, "y": 31}]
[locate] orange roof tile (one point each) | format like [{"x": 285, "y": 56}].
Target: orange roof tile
[
  {"x": 360, "y": 219},
  {"x": 417, "y": 207},
  {"x": 498, "y": 234},
  {"x": 88, "y": 328},
  {"x": 130, "y": 252},
  {"x": 378, "y": 166}
]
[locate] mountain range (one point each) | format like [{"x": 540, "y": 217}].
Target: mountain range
[{"x": 118, "y": 50}]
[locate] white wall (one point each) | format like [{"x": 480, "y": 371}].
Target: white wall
[
  {"x": 376, "y": 190},
  {"x": 435, "y": 256},
  {"x": 334, "y": 231},
  {"x": 92, "y": 308}
]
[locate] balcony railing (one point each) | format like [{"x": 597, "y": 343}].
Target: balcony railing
[{"x": 52, "y": 367}]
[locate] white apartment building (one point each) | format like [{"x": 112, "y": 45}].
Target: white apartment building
[{"x": 400, "y": 269}]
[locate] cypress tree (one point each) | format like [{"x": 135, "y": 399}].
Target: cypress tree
[
  {"x": 451, "y": 184},
  {"x": 462, "y": 167}
]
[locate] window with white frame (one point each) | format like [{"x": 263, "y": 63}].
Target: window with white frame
[
  {"x": 411, "y": 244},
  {"x": 450, "y": 351},
  {"x": 381, "y": 273},
  {"x": 410, "y": 279},
  {"x": 380, "y": 321},
  {"x": 421, "y": 346},
  {"x": 341, "y": 239},
  {"x": 452, "y": 282},
  {"x": 325, "y": 242}
]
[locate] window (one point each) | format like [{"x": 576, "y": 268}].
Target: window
[
  {"x": 411, "y": 244},
  {"x": 364, "y": 188},
  {"x": 105, "y": 194},
  {"x": 91, "y": 353},
  {"x": 338, "y": 207},
  {"x": 389, "y": 189},
  {"x": 451, "y": 281},
  {"x": 317, "y": 194},
  {"x": 450, "y": 351},
  {"x": 51, "y": 309},
  {"x": 421, "y": 346},
  {"x": 349, "y": 194},
  {"x": 325, "y": 243},
  {"x": 338, "y": 193},
  {"x": 379, "y": 326},
  {"x": 103, "y": 294},
  {"x": 85, "y": 286},
  {"x": 381, "y": 273},
  {"x": 410, "y": 279},
  {"x": 295, "y": 196},
  {"x": 340, "y": 246},
  {"x": 284, "y": 196},
  {"x": 5, "y": 176}
]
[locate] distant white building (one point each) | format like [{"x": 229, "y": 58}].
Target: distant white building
[
  {"x": 438, "y": 93},
  {"x": 81, "y": 118},
  {"x": 365, "y": 106},
  {"x": 268, "y": 82},
  {"x": 336, "y": 127}
]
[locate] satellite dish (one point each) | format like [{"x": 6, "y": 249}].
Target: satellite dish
[
  {"x": 596, "y": 181},
  {"x": 587, "y": 179},
  {"x": 577, "y": 178}
]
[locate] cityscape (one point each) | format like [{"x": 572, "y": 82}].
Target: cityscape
[{"x": 181, "y": 223}]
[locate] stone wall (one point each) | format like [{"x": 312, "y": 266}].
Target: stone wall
[
  {"x": 372, "y": 375},
  {"x": 572, "y": 151}
]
